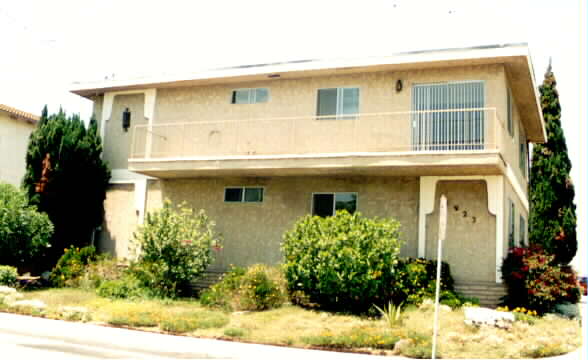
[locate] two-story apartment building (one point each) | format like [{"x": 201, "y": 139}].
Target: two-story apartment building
[
  {"x": 259, "y": 146},
  {"x": 15, "y": 128}
]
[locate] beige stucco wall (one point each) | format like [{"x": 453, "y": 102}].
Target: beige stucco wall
[
  {"x": 14, "y": 139},
  {"x": 253, "y": 231},
  {"x": 154, "y": 199},
  {"x": 511, "y": 144},
  {"x": 120, "y": 220},
  {"x": 470, "y": 246},
  {"x": 295, "y": 98},
  {"x": 118, "y": 141}
]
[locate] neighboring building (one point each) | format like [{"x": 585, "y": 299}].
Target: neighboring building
[
  {"x": 15, "y": 128},
  {"x": 259, "y": 146}
]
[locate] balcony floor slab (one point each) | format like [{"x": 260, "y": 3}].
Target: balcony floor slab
[{"x": 373, "y": 164}]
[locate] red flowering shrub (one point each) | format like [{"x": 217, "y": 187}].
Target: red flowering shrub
[{"x": 535, "y": 282}]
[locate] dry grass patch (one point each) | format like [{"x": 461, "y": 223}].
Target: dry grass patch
[
  {"x": 295, "y": 326},
  {"x": 61, "y": 296}
]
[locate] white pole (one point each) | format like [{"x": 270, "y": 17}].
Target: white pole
[{"x": 442, "y": 231}]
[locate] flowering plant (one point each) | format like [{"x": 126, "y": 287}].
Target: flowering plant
[{"x": 534, "y": 281}]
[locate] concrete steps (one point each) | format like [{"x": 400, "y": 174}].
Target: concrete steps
[
  {"x": 488, "y": 293},
  {"x": 205, "y": 281}
]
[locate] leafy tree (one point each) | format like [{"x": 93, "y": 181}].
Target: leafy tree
[
  {"x": 553, "y": 213},
  {"x": 67, "y": 178},
  {"x": 24, "y": 232}
]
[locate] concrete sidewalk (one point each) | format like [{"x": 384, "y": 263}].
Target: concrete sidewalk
[{"x": 144, "y": 345}]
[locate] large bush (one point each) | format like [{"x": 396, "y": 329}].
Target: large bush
[
  {"x": 174, "y": 247},
  {"x": 72, "y": 265},
  {"x": 344, "y": 262},
  {"x": 535, "y": 281},
  {"x": 24, "y": 232}
]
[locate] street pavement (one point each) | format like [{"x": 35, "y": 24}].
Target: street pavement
[{"x": 24, "y": 337}]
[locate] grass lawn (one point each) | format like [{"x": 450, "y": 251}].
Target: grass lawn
[{"x": 295, "y": 326}]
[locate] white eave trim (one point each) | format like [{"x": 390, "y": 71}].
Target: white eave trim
[{"x": 414, "y": 57}]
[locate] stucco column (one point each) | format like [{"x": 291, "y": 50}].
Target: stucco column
[
  {"x": 495, "y": 186},
  {"x": 149, "y": 110},
  {"x": 426, "y": 206}
]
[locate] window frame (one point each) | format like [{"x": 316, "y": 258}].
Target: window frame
[
  {"x": 243, "y": 188},
  {"x": 338, "y": 104},
  {"x": 523, "y": 156},
  {"x": 334, "y": 193},
  {"x": 512, "y": 236},
  {"x": 251, "y": 94},
  {"x": 510, "y": 112},
  {"x": 522, "y": 230}
]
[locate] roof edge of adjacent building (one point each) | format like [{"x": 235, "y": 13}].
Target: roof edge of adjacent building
[{"x": 19, "y": 114}]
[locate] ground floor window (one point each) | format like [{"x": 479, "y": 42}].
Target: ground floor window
[
  {"x": 511, "y": 224},
  {"x": 326, "y": 204},
  {"x": 244, "y": 194},
  {"x": 523, "y": 231}
]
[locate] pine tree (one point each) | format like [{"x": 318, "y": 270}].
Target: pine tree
[
  {"x": 552, "y": 222},
  {"x": 66, "y": 178}
]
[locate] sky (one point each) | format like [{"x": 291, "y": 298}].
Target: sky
[{"x": 49, "y": 45}]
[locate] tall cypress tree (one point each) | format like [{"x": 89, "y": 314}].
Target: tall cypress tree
[
  {"x": 66, "y": 178},
  {"x": 552, "y": 222}
]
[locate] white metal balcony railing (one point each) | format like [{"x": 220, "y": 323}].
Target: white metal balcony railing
[{"x": 411, "y": 131}]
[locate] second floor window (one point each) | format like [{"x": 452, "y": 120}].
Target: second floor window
[
  {"x": 250, "y": 96},
  {"x": 340, "y": 102},
  {"x": 523, "y": 161}
]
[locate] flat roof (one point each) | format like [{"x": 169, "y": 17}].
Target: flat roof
[{"x": 515, "y": 57}]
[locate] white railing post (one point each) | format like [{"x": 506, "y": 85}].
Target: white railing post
[{"x": 133, "y": 136}]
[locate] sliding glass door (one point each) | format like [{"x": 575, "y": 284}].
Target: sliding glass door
[{"x": 446, "y": 116}]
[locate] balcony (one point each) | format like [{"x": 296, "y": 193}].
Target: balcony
[{"x": 456, "y": 141}]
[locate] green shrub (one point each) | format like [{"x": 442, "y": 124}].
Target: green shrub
[
  {"x": 222, "y": 294},
  {"x": 8, "y": 275},
  {"x": 258, "y": 287},
  {"x": 343, "y": 262},
  {"x": 71, "y": 266},
  {"x": 175, "y": 245},
  {"x": 24, "y": 232},
  {"x": 127, "y": 287},
  {"x": 261, "y": 288},
  {"x": 417, "y": 279},
  {"x": 534, "y": 281},
  {"x": 392, "y": 314}
]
